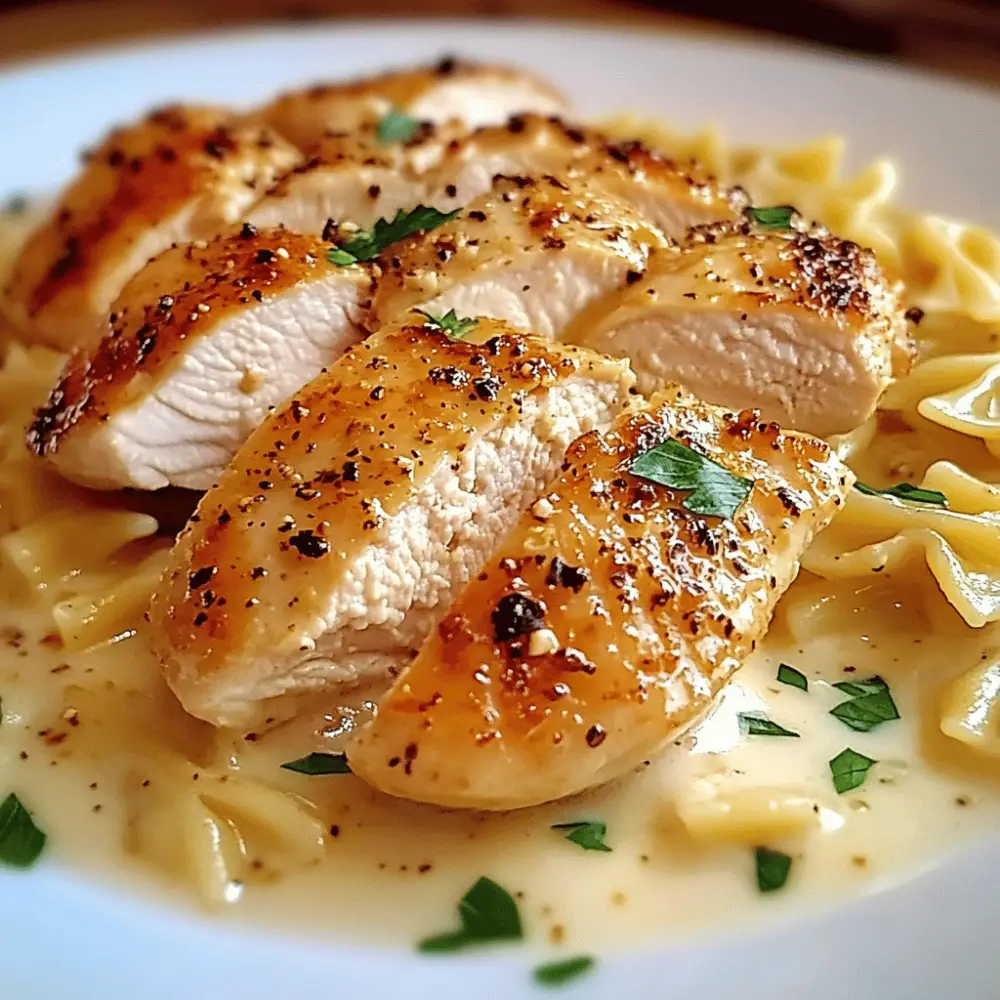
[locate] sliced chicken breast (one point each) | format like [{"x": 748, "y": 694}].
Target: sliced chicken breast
[
  {"x": 350, "y": 518},
  {"x": 673, "y": 197},
  {"x": 608, "y": 620},
  {"x": 180, "y": 174},
  {"x": 201, "y": 344},
  {"x": 534, "y": 253},
  {"x": 453, "y": 90},
  {"x": 354, "y": 178},
  {"x": 803, "y": 326}
]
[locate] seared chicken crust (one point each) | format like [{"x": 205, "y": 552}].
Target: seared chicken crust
[
  {"x": 344, "y": 525},
  {"x": 670, "y": 195},
  {"x": 472, "y": 93},
  {"x": 181, "y": 173},
  {"x": 607, "y": 621},
  {"x": 199, "y": 346}
]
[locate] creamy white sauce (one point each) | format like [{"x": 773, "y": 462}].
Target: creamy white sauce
[{"x": 921, "y": 802}]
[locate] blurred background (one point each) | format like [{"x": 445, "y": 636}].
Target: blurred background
[{"x": 960, "y": 37}]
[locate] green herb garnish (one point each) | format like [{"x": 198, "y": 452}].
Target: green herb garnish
[
  {"x": 20, "y": 840},
  {"x": 368, "y": 245},
  {"x": 455, "y": 326},
  {"x": 487, "y": 912},
  {"x": 341, "y": 257},
  {"x": 772, "y": 869},
  {"x": 319, "y": 763},
  {"x": 905, "y": 491},
  {"x": 870, "y": 704},
  {"x": 774, "y": 217},
  {"x": 870, "y": 685},
  {"x": 792, "y": 677},
  {"x": 717, "y": 492},
  {"x": 587, "y": 834},
  {"x": 396, "y": 127},
  {"x": 849, "y": 769},
  {"x": 557, "y": 973},
  {"x": 755, "y": 724}
]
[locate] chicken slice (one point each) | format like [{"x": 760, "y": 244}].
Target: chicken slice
[
  {"x": 352, "y": 177},
  {"x": 803, "y": 326},
  {"x": 200, "y": 345},
  {"x": 671, "y": 196},
  {"x": 471, "y": 93},
  {"x": 348, "y": 520},
  {"x": 607, "y": 621},
  {"x": 534, "y": 253},
  {"x": 180, "y": 174}
]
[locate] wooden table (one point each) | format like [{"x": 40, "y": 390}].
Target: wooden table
[{"x": 64, "y": 25}]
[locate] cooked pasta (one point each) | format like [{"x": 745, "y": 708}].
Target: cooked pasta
[{"x": 752, "y": 815}]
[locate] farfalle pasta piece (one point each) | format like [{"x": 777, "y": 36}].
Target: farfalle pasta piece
[
  {"x": 960, "y": 543},
  {"x": 220, "y": 831},
  {"x": 970, "y": 708},
  {"x": 103, "y": 609}
]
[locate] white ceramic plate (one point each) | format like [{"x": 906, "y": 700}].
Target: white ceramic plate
[{"x": 932, "y": 938}]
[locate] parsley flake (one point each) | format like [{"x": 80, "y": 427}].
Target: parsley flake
[
  {"x": 716, "y": 492},
  {"x": 396, "y": 127},
  {"x": 792, "y": 677},
  {"x": 905, "y": 491},
  {"x": 367, "y": 245},
  {"x": 772, "y": 869},
  {"x": 557, "y": 973},
  {"x": 869, "y": 706},
  {"x": 773, "y": 217},
  {"x": 319, "y": 763},
  {"x": 455, "y": 326},
  {"x": 588, "y": 834},
  {"x": 849, "y": 769},
  {"x": 755, "y": 724},
  {"x": 487, "y": 912},
  {"x": 21, "y": 841}
]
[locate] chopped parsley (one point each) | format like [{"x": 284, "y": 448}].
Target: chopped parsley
[
  {"x": 792, "y": 677},
  {"x": 849, "y": 769},
  {"x": 20, "y": 840},
  {"x": 905, "y": 491},
  {"x": 369, "y": 244},
  {"x": 755, "y": 724},
  {"x": 396, "y": 127},
  {"x": 455, "y": 326},
  {"x": 774, "y": 217},
  {"x": 557, "y": 973},
  {"x": 869, "y": 706},
  {"x": 487, "y": 912},
  {"x": 588, "y": 834},
  {"x": 319, "y": 763},
  {"x": 772, "y": 869},
  {"x": 716, "y": 492}
]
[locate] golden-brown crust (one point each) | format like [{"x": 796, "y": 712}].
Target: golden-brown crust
[
  {"x": 606, "y": 621},
  {"x": 180, "y": 295},
  {"x": 520, "y": 218},
  {"x": 618, "y": 165},
  {"x": 252, "y": 571},
  {"x": 303, "y": 116},
  {"x": 807, "y": 270},
  {"x": 141, "y": 177}
]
